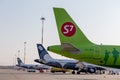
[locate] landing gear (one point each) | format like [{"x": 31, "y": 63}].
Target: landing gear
[
  {"x": 73, "y": 72},
  {"x": 78, "y": 72},
  {"x": 91, "y": 70}
]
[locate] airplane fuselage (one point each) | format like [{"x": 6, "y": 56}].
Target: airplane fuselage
[
  {"x": 74, "y": 43},
  {"x": 103, "y": 55}
]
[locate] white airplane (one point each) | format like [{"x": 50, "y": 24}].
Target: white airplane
[
  {"x": 30, "y": 67},
  {"x": 46, "y": 59}
]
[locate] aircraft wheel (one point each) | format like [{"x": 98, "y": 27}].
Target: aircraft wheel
[
  {"x": 103, "y": 72},
  {"x": 78, "y": 72},
  {"x": 64, "y": 72},
  {"x": 73, "y": 72}
]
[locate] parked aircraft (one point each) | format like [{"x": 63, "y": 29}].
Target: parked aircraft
[
  {"x": 74, "y": 44},
  {"x": 30, "y": 67},
  {"x": 46, "y": 59}
]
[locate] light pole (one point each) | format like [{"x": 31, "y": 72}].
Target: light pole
[
  {"x": 18, "y": 53},
  {"x": 24, "y": 51},
  {"x": 15, "y": 56},
  {"x": 42, "y": 18}
]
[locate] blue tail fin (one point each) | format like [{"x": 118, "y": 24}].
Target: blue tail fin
[
  {"x": 19, "y": 61},
  {"x": 43, "y": 54}
]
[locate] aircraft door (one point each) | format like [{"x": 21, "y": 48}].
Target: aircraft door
[{"x": 97, "y": 52}]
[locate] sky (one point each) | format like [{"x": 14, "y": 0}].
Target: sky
[{"x": 20, "y": 22}]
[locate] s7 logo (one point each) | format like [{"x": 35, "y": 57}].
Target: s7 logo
[{"x": 68, "y": 29}]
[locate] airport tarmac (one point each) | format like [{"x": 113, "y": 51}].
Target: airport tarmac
[{"x": 10, "y": 74}]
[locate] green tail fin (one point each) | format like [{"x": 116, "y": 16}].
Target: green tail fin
[{"x": 68, "y": 30}]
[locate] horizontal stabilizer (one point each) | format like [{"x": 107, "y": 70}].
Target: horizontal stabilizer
[
  {"x": 40, "y": 61},
  {"x": 70, "y": 48}
]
